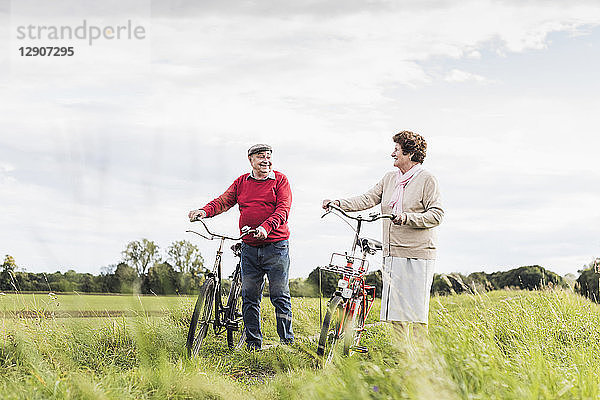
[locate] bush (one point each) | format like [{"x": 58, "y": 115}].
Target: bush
[
  {"x": 529, "y": 277},
  {"x": 587, "y": 285}
]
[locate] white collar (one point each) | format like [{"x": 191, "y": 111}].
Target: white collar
[{"x": 270, "y": 176}]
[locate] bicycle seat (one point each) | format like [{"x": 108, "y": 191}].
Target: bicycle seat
[
  {"x": 370, "y": 245},
  {"x": 237, "y": 249}
]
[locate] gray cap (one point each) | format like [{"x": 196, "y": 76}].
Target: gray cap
[{"x": 257, "y": 148}]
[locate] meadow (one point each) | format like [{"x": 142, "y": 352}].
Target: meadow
[
  {"x": 498, "y": 345},
  {"x": 59, "y": 305}
]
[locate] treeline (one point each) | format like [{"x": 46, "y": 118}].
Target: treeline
[
  {"x": 528, "y": 278},
  {"x": 144, "y": 268},
  {"x": 531, "y": 277}
]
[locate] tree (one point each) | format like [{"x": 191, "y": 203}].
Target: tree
[
  {"x": 454, "y": 283},
  {"x": 189, "y": 283},
  {"x": 9, "y": 263},
  {"x": 375, "y": 278},
  {"x": 6, "y": 275},
  {"x": 329, "y": 281},
  {"x": 125, "y": 278},
  {"x": 440, "y": 286},
  {"x": 162, "y": 279},
  {"x": 529, "y": 277},
  {"x": 87, "y": 283},
  {"x": 141, "y": 254},
  {"x": 479, "y": 282},
  {"x": 299, "y": 287},
  {"x": 587, "y": 283},
  {"x": 185, "y": 257}
]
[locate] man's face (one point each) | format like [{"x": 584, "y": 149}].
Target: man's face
[{"x": 261, "y": 162}]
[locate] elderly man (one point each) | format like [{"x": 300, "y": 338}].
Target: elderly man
[{"x": 264, "y": 199}]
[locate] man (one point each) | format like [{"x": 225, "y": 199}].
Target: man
[{"x": 264, "y": 199}]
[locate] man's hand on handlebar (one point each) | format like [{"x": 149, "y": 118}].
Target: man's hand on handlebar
[
  {"x": 195, "y": 215},
  {"x": 261, "y": 233},
  {"x": 326, "y": 203}
]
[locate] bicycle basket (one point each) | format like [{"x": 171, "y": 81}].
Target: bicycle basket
[{"x": 339, "y": 264}]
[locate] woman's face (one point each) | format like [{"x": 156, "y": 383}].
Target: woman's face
[{"x": 400, "y": 158}]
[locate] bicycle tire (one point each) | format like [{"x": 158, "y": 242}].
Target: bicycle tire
[
  {"x": 332, "y": 329},
  {"x": 353, "y": 327},
  {"x": 236, "y": 335},
  {"x": 203, "y": 308}
]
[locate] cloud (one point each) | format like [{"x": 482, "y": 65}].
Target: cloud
[
  {"x": 5, "y": 167},
  {"x": 122, "y": 141},
  {"x": 274, "y": 8},
  {"x": 457, "y": 75}
]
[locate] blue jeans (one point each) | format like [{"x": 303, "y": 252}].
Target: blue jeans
[{"x": 273, "y": 260}]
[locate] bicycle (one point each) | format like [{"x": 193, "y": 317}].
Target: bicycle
[
  {"x": 209, "y": 308},
  {"x": 350, "y": 304}
]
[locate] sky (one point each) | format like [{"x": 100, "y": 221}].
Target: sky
[{"x": 121, "y": 140}]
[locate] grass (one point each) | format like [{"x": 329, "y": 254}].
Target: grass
[
  {"x": 501, "y": 345},
  {"x": 68, "y": 304}
]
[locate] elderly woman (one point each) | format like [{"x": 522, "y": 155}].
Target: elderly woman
[{"x": 409, "y": 249}]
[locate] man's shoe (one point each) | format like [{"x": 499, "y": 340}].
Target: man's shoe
[{"x": 253, "y": 347}]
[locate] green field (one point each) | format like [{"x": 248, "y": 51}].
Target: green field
[
  {"x": 501, "y": 345},
  {"x": 77, "y": 305}
]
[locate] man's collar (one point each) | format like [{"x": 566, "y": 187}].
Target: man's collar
[{"x": 270, "y": 176}]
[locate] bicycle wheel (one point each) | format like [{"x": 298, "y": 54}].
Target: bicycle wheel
[
  {"x": 332, "y": 329},
  {"x": 354, "y": 325},
  {"x": 236, "y": 335},
  {"x": 201, "y": 317}
]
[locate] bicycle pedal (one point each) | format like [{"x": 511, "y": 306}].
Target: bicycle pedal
[{"x": 359, "y": 349}]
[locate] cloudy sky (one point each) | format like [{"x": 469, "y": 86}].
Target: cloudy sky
[{"x": 120, "y": 141}]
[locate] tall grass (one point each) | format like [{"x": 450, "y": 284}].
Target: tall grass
[
  {"x": 502, "y": 345},
  {"x": 520, "y": 344}
]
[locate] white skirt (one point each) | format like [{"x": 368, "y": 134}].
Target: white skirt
[{"x": 406, "y": 287}]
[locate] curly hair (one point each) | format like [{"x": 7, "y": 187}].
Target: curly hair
[{"x": 413, "y": 143}]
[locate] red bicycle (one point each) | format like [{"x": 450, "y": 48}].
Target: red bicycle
[{"x": 350, "y": 304}]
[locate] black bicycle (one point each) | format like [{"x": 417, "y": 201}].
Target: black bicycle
[{"x": 209, "y": 309}]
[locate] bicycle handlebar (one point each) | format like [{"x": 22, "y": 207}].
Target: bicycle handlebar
[
  {"x": 246, "y": 230},
  {"x": 372, "y": 217}
]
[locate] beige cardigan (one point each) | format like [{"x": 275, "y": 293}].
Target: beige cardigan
[{"x": 422, "y": 206}]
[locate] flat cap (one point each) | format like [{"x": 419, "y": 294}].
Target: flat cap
[{"x": 257, "y": 148}]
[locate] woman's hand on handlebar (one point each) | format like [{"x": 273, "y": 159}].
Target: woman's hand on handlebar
[
  {"x": 399, "y": 219},
  {"x": 195, "y": 215},
  {"x": 326, "y": 203}
]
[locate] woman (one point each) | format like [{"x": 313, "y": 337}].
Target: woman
[{"x": 409, "y": 249}]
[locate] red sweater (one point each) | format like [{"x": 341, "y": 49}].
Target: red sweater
[{"x": 263, "y": 203}]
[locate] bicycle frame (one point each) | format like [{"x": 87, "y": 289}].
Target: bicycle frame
[
  {"x": 220, "y": 326},
  {"x": 217, "y": 270}
]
